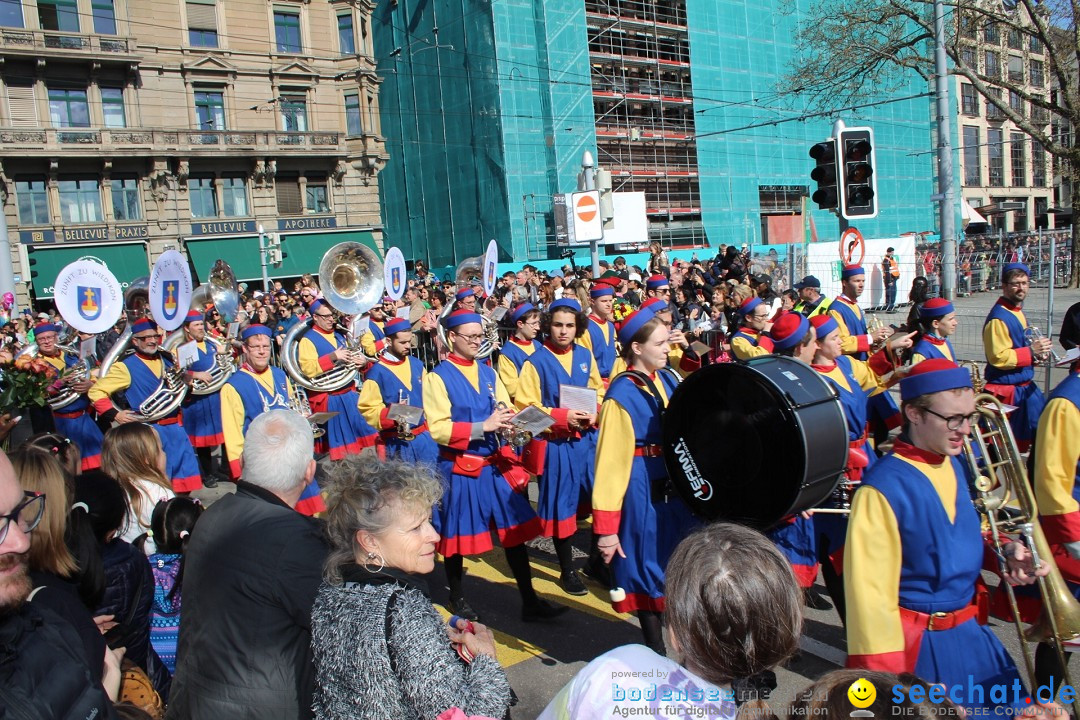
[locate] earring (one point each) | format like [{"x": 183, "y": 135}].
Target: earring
[{"x": 375, "y": 556}]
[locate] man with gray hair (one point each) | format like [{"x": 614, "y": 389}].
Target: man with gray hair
[{"x": 252, "y": 570}]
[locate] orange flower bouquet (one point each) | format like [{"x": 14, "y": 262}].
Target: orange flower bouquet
[{"x": 24, "y": 381}]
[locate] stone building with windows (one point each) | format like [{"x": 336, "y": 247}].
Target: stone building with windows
[
  {"x": 1004, "y": 173},
  {"x": 128, "y": 127}
]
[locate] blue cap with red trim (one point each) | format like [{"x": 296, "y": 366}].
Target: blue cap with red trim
[
  {"x": 395, "y": 326},
  {"x": 933, "y": 375}
]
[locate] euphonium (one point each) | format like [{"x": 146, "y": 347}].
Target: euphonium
[
  {"x": 999, "y": 466},
  {"x": 79, "y": 372},
  {"x": 220, "y": 371},
  {"x": 136, "y": 302},
  {"x": 168, "y": 396},
  {"x": 351, "y": 276}
]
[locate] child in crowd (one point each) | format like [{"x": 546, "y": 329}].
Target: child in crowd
[{"x": 171, "y": 524}]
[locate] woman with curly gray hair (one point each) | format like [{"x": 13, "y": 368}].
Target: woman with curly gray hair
[{"x": 381, "y": 650}]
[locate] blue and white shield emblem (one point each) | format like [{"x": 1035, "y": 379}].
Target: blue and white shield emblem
[
  {"x": 89, "y": 302},
  {"x": 395, "y": 279},
  {"x": 169, "y": 305}
]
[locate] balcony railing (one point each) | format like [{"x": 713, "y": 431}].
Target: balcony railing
[
  {"x": 34, "y": 41},
  {"x": 195, "y": 141}
]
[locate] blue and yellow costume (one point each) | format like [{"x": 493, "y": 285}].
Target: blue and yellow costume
[
  {"x": 632, "y": 496},
  {"x": 1057, "y": 466},
  {"x": 74, "y": 421},
  {"x": 373, "y": 342},
  {"x": 746, "y": 342},
  {"x": 932, "y": 346},
  {"x": 515, "y": 352},
  {"x": 600, "y": 336},
  {"x": 138, "y": 376},
  {"x": 911, "y": 506},
  {"x": 483, "y": 476},
  {"x": 347, "y": 432},
  {"x": 397, "y": 381},
  {"x": 202, "y": 413},
  {"x": 567, "y": 480},
  {"x": 248, "y": 394},
  {"x": 1010, "y": 369}
]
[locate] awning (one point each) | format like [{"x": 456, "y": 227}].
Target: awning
[
  {"x": 303, "y": 251},
  {"x": 970, "y": 214},
  {"x": 127, "y": 261}
]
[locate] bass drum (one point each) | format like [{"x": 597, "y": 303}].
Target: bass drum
[{"x": 754, "y": 442}]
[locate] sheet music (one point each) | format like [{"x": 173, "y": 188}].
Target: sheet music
[
  {"x": 407, "y": 414},
  {"x": 1069, "y": 357},
  {"x": 321, "y": 417},
  {"x": 88, "y": 348},
  {"x": 234, "y": 328},
  {"x": 572, "y": 397},
  {"x": 532, "y": 419},
  {"x": 187, "y": 354}
]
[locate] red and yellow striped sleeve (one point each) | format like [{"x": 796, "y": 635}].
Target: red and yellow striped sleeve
[
  {"x": 311, "y": 363},
  {"x": 1058, "y": 443},
  {"x": 232, "y": 426},
  {"x": 117, "y": 379},
  {"x": 372, "y": 407},
  {"x": 614, "y": 460},
  {"x": 999, "y": 350},
  {"x": 744, "y": 349},
  {"x": 850, "y": 344},
  {"x": 872, "y": 564}
]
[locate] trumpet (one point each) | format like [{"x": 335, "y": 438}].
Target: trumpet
[
  {"x": 513, "y": 435},
  {"x": 1032, "y": 334},
  {"x": 995, "y": 462}
]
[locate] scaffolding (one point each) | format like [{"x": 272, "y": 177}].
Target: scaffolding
[{"x": 639, "y": 55}]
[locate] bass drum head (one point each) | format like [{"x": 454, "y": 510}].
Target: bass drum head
[{"x": 754, "y": 443}]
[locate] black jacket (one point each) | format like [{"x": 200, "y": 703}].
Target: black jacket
[
  {"x": 43, "y": 674},
  {"x": 252, "y": 570},
  {"x": 129, "y": 594}
]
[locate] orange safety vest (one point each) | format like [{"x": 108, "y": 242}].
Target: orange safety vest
[{"x": 894, "y": 267}]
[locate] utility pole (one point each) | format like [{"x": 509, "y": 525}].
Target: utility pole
[
  {"x": 262, "y": 259},
  {"x": 588, "y": 182},
  {"x": 945, "y": 196}
]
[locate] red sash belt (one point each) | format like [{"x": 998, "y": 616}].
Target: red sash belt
[
  {"x": 69, "y": 415},
  {"x": 648, "y": 451},
  {"x": 504, "y": 460},
  {"x": 940, "y": 620},
  {"x": 175, "y": 419},
  {"x": 393, "y": 432}
]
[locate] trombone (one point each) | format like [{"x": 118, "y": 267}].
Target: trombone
[{"x": 998, "y": 465}]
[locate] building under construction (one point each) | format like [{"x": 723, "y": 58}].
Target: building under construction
[{"x": 488, "y": 107}]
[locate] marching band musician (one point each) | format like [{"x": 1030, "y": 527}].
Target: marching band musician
[
  {"x": 600, "y": 336},
  {"x": 72, "y": 421},
  {"x": 465, "y": 299},
  {"x": 202, "y": 413},
  {"x": 1010, "y": 360},
  {"x": 319, "y": 350},
  {"x": 485, "y": 480},
  {"x": 855, "y": 340},
  {"x": 374, "y": 341},
  {"x": 855, "y": 382},
  {"x": 252, "y": 390},
  {"x": 138, "y": 375},
  {"x": 911, "y": 606},
  {"x": 794, "y": 336},
  {"x": 750, "y": 340},
  {"x": 937, "y": 321},
  {"x": 1056, "y": 460},
  {"x": 397, "y": 378},
  {"x": 567, "y": 479},
  {"x": 637, "y": 516},
  {"x": 526, "y": 321}
]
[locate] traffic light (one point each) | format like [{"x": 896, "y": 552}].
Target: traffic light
[
  {"x": 31, "y": 261},
  {"x": 274, "y": 256},
  {"x": 824, "y": 173},
  {"x": 858, "y": 186}
]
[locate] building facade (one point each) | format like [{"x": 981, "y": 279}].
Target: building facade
[
  {"x": 659, "y": 92},
  {"x": 128, "y": 127},
  {"x": 1005, "y": 175}
]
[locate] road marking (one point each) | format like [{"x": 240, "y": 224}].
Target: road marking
[{"x": 822, "y": 650}]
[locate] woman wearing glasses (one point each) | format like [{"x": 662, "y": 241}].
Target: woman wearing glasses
[{"x": 915, "y": 551}]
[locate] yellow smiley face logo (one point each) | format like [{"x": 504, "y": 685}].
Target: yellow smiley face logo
[{"x": 862, "y": 693}]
